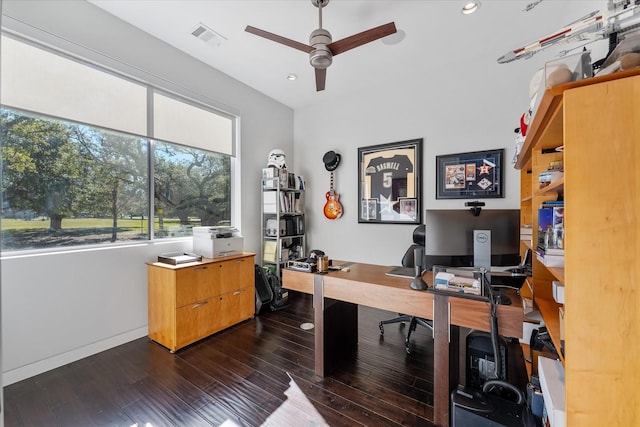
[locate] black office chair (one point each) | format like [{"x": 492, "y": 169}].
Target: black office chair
[{"x": 409, "y": 261}]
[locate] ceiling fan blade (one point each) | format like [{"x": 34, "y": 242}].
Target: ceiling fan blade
[
  {"x": 362, "y": 38},
  {"x": 279, "y": 39},
  {"x": 321, "y": 78}
]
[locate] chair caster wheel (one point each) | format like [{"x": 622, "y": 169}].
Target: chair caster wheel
[{"x": 381, "y": 326}]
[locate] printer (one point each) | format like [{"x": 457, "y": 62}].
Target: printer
[{"x": 214, "y": 242}]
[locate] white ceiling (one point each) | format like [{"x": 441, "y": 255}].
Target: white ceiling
[{"x": 437, "y": 35}]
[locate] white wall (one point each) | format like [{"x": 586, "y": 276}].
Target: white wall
[
  {"x": 61, "y": 307},
  {"x": 455, "y": 107},
  {"x": 425, "y": 110}
]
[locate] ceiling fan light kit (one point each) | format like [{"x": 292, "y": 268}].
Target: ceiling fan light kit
[
  {"x": 321, "y": 48},
  {"x": 320, "y": 56}
]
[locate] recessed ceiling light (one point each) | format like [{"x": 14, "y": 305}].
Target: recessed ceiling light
[
  {"x": 292, "y": 77},
  {"x": 470, "y": 7}
]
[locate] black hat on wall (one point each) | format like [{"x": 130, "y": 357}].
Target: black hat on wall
[{"x": 331, "y": 160}]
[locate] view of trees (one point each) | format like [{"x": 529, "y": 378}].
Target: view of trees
[
  {"x": 71, "y": 184},
  {"x": 191, "y": 183}
]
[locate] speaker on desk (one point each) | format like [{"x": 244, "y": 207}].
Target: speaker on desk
[{"x": 417, "y": 283}]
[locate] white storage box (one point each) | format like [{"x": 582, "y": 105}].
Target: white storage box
[
  {"x": 551, "y": 260},
  {"x": 558, "y": 292},
  {"x": 551, "y": 374},
  {"x": 214, "y": 242}
]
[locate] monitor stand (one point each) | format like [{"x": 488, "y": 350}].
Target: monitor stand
[
  {"x": 482, "y": 259},
  {"x": 482, "y": 249}
]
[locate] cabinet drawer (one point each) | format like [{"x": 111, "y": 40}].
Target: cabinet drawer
[
  {"x": 236, "y": 274},
  {"x": 196, "y": 321},
  {"x": 236, "y": 306},
  {"x": 197, "y": 283}
]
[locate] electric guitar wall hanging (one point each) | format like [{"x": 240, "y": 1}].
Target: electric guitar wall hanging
[{"x": 333, "y": 208}]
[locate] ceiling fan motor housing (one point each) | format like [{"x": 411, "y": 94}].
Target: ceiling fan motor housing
[{"x": 321, "y": 57}]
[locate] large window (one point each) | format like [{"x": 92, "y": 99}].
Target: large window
[
  {"x": 192, "y": 188},
  {"x": 65, "y": 184},
  {"x": 67, "y": 181}
]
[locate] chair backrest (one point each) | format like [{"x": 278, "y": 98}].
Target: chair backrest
[{"x": 418, "y": 242}]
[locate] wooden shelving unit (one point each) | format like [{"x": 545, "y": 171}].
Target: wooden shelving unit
[
  {"x": 554, "y": 187},
  {"x": 597, "y": 122},
  {"x": 549, "y": 310}
]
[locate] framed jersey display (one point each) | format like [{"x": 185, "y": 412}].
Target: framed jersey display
[
  {"x": 470, "y": 175},
  {"x": 390, "y": 180}
]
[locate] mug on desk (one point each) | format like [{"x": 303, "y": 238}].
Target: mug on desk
[{"x": 323, "y": 263}]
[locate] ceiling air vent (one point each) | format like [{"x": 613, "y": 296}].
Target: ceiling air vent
[{"x": 207, "y": 35}]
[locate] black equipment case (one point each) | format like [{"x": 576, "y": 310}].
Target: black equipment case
[{"x": 269, "y": 292}]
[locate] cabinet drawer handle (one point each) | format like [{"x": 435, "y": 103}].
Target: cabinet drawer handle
[
  {"x": 199, "y": 268},
  {"x": 238, "y": 261},
  {"x": 238, "y": 292},
  {"x": 200, "y": 304}
]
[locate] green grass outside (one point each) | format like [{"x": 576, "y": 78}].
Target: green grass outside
[
  {"x": 19, "y": 234},
  {"x": 71, "y": 223}
]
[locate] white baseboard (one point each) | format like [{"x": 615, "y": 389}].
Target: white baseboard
[{"x": 33, "y": 369}]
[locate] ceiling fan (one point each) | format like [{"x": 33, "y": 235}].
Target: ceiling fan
[{"x": 321, "y": 49}]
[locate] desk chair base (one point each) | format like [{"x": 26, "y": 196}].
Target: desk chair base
[
  {"x": 400, "y": 319},
  {"x": 413, "y": 322}
]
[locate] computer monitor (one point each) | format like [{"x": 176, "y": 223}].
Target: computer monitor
[{"x": 449, "y": 236}]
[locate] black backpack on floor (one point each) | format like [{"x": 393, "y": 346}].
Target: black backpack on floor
[{"x": 269, "y": 292}]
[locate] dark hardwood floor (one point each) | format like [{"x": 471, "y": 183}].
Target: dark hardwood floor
[{"x": 259, "y": 372}]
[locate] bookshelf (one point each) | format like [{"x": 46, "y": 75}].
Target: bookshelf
[
  {"x": 597, "y": 122},
  {"x": 283, "y": 219}
]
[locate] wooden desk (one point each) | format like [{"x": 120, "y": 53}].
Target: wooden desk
[{"x": 337, "y": 294}]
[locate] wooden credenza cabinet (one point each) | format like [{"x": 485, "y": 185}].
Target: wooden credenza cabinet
[
  {"x": 192, "y": 301},
  {"x": 597, "y": 122}
]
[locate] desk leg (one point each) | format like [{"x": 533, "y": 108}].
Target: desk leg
[
  {"x": 318, "y": 314},
  {"x": 445, "y": 364},
  {"x": 336, "y": 329}
]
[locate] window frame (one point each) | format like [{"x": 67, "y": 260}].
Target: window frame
[{"x": 153, "y": 84}]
